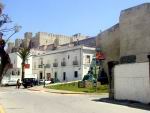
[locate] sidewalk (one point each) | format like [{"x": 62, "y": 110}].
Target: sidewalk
[{"x": 40, "y": 88}]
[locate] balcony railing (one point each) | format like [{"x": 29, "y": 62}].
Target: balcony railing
[
  {"x": 40, "y": 66},
  {"x": 63, "y": 63},
  {"x": 75, "y": 63},
  {"x": 55, "y": 64},
  {"x": 48, "y": 65}
]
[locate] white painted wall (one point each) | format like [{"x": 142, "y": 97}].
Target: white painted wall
[
  {"x": 16, "y": 62},
  {"x": 86, "y": 66},
  {"x": 69, "y": 54},
  {"x": 132, "y": 82}
]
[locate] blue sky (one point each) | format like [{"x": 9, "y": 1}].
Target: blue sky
[{"x": 66, "y": 16}]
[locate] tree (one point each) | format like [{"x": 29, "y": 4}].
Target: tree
[
  {"x": 5, "y": 60},
  {"x": 24, "y": 54}
]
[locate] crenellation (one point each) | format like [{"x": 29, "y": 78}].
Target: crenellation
[{"x": 44, "y": 39}]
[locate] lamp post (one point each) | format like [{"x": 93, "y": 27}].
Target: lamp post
[
  {"x": 44, "y": 68},
  {"x": 42, "y": 65}
]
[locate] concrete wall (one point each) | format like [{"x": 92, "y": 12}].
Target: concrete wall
[
  {"x": 86, "y": 65},
  {"x": 134, "y": 26},
  {"x": 132, "y": 82}
]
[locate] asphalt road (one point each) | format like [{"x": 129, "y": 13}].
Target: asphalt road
[{"x": 26, "y": 101}]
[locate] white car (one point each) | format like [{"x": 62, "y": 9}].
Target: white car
[
  {"x": 8, "y": 82},
  {"x": 46, "y": 81},
  {"x": 12, "y": 82},
  {"x": 4, "y": 82}
]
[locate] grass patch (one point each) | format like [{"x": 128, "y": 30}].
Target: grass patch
[{"x": 74, "y": 87}]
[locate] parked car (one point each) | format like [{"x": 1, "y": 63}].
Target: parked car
[
  {"x": 29, "y": 82},
  {"x": 12, "y": 82},
  {"x": 46, "y": 81},
  {"x": 4, "y": 82},
  {"x": 9, "y": 82}
]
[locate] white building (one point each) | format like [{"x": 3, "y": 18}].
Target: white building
[
  {"x": 132, "y": 82},
  {"x": 14, "y": 73},
  {"x": 65, "y": 64}
]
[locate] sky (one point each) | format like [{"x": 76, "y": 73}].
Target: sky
[{"x": 66, "y": 17}]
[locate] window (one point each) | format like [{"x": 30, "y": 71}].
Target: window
[
  {"x": 68, "y": 56},
  {"x": 64, "y": 76},
  {"x": 34, "y": 65},
  {"x": 63, "y": 59},
  {"x": 41, "y": 61},
  {"x": 18, "y": 72},
  {"x": 87, "y": 59},
  {"x": 55, "y": 60},
  {"x": 55, "y": 75},
  {"x": 48, "y": 65},
  {"x": 75, "y": 58},
  {"x": 13, "y": 73},
  {"x": 76, "y": 74}
]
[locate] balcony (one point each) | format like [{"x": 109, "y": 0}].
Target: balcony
[
  {"x": 75, "y": 62},
  {"x": 47, "y": 65},
  {"x": 63, "y": 63},
  {"x": 55, "y": 64},
  {"x": 40, "y": 66}
]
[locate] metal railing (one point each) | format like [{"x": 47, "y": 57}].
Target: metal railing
[
  {"x": 63, "y": 63},
  {"x": 75, "y": 62},
  {"x": 55, "y": 64}
]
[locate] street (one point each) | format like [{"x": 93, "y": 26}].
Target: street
[{"x": 26, "y": 101}]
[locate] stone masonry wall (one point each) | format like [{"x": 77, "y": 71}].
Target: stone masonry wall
[{"x": 135, "y": 32}]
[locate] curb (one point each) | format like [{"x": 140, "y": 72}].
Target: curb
[
  {"x": 61, "y": 92},
  {"x": 2, "y": 109},
  {"x": 56, "y": 92}
]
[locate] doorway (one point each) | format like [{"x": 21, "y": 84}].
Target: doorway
[{"x": 41, "y": 75}]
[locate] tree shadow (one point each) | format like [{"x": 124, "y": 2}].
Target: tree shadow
[{"x": 129, "y": 103}]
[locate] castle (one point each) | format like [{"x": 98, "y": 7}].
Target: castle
[{"x": 43, "y": 41}]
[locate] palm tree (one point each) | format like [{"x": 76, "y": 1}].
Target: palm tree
[{"x": 24, "y": 54}]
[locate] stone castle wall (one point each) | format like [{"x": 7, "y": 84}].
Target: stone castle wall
[
  {"x": 135, "y": 32},
  {"x": 131, "y": 36},
  {"x": 43, "y": 38}
]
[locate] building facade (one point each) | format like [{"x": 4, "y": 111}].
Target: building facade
[
  {"x": 67, "y": 64},
  {"x": 14, "y": 73}
]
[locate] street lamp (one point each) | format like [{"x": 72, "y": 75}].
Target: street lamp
[{"x": 44, "y": 66}]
